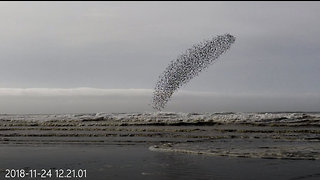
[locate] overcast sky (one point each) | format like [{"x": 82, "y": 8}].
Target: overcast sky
[{"x": 60, "y": 57}]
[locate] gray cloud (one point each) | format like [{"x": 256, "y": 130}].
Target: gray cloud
[{"x": 111, "y": 45}]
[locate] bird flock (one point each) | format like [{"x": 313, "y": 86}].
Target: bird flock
[{"x": 187, "y": 66}]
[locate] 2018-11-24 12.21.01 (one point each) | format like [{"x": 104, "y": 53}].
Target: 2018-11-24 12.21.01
[{"x": 45, "y": 173}]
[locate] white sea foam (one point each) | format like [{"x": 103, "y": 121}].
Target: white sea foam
[
  {"x": 172, "y": 117},
  {"x": 260, "y": 135}
]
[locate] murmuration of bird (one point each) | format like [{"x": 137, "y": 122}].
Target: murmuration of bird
[{"x": 187, "y": 66}]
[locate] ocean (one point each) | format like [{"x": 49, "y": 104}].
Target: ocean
[{"x": 210, "y": 141}]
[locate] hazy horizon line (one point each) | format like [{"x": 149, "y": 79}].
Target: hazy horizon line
[{"x": 89, "y": 91}]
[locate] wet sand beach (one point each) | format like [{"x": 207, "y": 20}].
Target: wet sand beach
[{"x": 137, "y": 162}]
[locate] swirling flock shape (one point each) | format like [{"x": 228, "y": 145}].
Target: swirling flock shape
[{"x": 187, "y": 66}]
